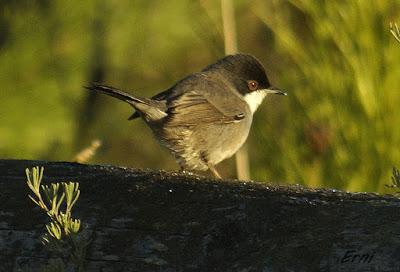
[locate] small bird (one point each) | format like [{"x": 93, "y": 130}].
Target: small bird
[{"x": 206, "y": 117}]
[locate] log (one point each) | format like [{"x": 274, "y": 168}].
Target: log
[{"x": 159, "y": 221}]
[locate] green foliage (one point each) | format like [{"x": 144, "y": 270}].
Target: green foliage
[
  {"x": 42, "y": 67},
  {"x": 395, "y": 180},
  {"x": 64, "y": 234},
  {"x": 394, "y": 29},
  {"x": 341, "y": 71}
]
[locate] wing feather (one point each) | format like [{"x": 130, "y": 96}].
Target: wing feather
[{"x": 192, "y": 109}]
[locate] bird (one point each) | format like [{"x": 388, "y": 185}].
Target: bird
[{"x": 205, "y": 117}]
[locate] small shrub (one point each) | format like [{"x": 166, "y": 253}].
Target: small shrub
[{"x": 64, "y": 236}]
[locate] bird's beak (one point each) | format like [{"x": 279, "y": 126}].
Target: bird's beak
[{"x": 274, "y": 90}]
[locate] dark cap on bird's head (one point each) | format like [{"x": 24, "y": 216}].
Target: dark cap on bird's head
[{"x": 247, "y": 73}]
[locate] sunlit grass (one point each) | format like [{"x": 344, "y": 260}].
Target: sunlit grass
[{"x": 341, "y": 71}]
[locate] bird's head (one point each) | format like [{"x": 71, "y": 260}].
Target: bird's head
[{"x": 248, "y": 77}]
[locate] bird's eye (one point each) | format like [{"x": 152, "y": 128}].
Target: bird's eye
[{"x": 252, "y": 85}]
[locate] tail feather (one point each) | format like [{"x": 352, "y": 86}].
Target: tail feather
[
  {"x": 152, "y": 110},
  {"x": 115, "y": 93}
]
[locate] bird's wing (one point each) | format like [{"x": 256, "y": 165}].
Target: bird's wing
[
  {"x": 208, "y": 103},
  {"x": 200, "y": 98}
]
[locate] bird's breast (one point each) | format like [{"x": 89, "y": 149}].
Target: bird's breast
[{"x": 225, "y": 140}]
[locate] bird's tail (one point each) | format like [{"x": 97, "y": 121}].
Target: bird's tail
[
  {"x": 152, "y": 110},
  {"x": 115, "y": 93}
]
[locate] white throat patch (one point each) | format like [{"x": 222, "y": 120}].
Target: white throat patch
[{"x": 254, "y": 99}]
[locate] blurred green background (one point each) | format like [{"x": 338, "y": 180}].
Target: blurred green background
[{"x": 337, "y": 60}]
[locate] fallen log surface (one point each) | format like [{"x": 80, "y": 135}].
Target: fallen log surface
[{"x": 159, "y": 221}]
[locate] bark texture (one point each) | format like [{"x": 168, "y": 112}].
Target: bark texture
[{"x": 158, "y": 221}]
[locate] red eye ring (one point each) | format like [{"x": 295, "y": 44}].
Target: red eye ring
[{"x": 252, "y": 85}]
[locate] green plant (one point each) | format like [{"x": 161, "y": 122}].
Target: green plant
[
  {"x": 394, "y": 29},
  {"x": 340, "y": 67},
  {"x": 64, "y": 235},
  {"x": 395, "y": 180}
]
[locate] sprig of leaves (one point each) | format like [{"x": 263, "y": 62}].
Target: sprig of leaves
[
  {"x": 63, "y": 232},
  {"x": 56, "y": 195},
  {"x": 395, "y": 180},
  {"x": 394, "y": 29}
]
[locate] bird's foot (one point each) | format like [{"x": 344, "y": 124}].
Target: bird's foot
[{"x": 214, "y": 171}]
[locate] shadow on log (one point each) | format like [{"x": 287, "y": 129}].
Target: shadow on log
[{"x": 159, "y": 221}]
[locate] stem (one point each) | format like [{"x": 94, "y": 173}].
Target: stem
[{"x": 231, "y": 47}]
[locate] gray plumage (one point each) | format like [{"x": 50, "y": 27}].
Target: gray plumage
[{"x": 205, "y": 117}]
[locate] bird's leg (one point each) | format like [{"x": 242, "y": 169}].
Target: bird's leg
[
  {"x": 203, "y": 156},
  {"x": 214, "y": 171}
]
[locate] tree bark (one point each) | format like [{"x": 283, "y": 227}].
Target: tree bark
[{"x": 159, "y": 221}]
